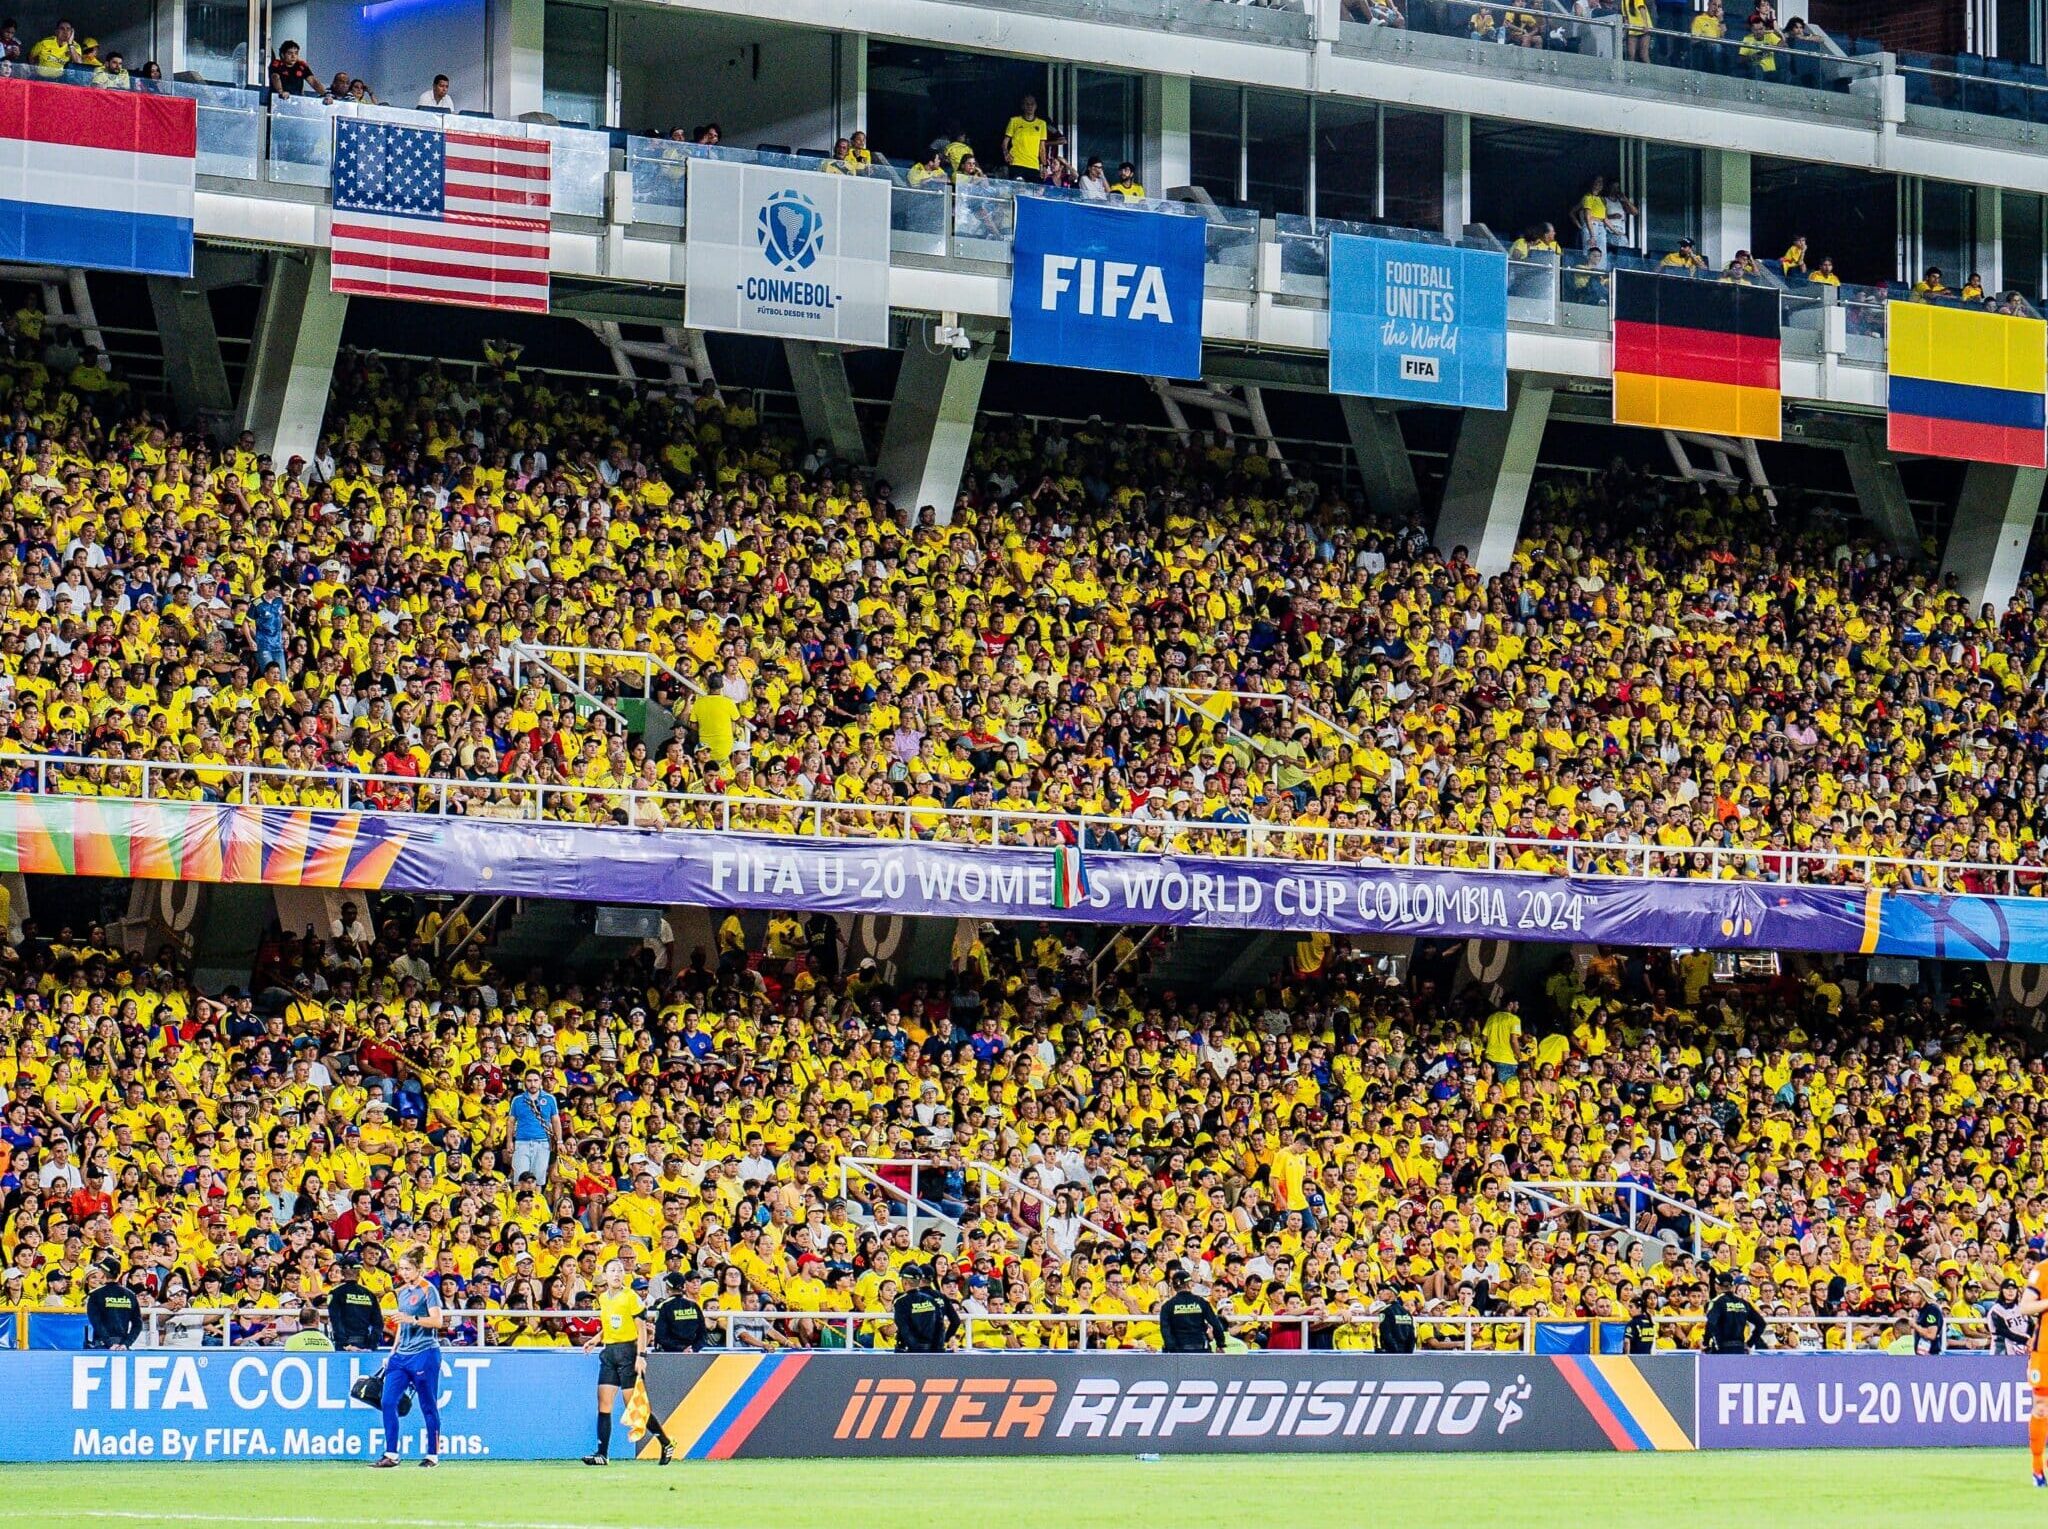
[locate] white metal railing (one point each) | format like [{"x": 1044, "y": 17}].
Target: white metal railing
[
  {"x": 1803, "y": 1334},
  {"x": 1194, "y": 700},
  {"x": 559, "y": 655},
  {"x": 1599, "y": 1201},
  {"x": 1261, "y": 839},
  {"x": 779, "y": 1328}
]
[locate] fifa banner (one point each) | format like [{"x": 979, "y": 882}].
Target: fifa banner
[
  {"x": 1966, "y": 384},
  {"x": 1423, "y": 323},
  {"x": 1107, "y": 287},
  {"x": 864, "y": 1405},
  {"x": 226, "y": 1404},
  {"x": 794, "y": 253},
  {"x": 398, "y": 852},
  {"x": 1861, "y": 1401}
]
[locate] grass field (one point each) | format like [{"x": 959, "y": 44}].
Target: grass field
[{"x": 1982, "y": 1489}]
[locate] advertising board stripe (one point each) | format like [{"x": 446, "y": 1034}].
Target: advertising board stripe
[
  {"x": 1597, "y": 1397},
  {"x": 692, "y": 1417},
  {"x": 1632, "y": 1392},
  {"x": 778, "y": 1373},
  {"x": 734, "y": 1409}
]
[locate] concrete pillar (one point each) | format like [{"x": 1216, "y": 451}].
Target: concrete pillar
[
  {"x": 931, "y": 423},
  {"x": 1725, "y": 205},
  {"x": 1879, "y": 489},
  {"x": 1383, "y": 459},
  {"x": 1458, "y": 176},
  {"x": 291, "y": 360},
  {"x": 825, "y": 398},
  {"x": 517, "y": 32},
  {"x": 1487, "y": 487},
  {"x": 194, "y": 372},
  {"x": 1166, "y": 159},
  {"x": 1994, "y": 523},
  {"x": 852, "y": 106}
]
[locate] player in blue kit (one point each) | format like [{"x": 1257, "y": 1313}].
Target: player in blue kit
[{"x": 415, "y": 1363}]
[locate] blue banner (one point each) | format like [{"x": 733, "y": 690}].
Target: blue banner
[
  {"x": 1424, "y": 323},
  {"x": 268, "y": 1404},
  {"x": 1860, "y": 1401},
  {"x": 1107, "y": 287}
]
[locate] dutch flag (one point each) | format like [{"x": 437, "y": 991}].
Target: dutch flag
[{"x": 96, "y": 177}]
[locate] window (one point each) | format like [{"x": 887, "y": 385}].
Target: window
[
  {"x": 1216, "y": 141},
  {"x": 1948, "y": 229},
  {"x": 576, "y": 82},
  {"x": 1347, "y": 161},
  {"x": 1276, "y": 151},
  {"x": 2020, "y": 260},
  {"x": 918, "y": 94},
  {"x": 1106, "y": 119},
  {"x": 1412, "y": 143}
]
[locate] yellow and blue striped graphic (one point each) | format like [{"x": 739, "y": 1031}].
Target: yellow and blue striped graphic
[{"x": 1621, "y": 1402}]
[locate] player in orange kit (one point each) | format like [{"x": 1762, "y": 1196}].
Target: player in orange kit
[{"x": 2032, "y": 1305}]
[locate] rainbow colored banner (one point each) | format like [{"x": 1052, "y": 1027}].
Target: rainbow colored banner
[{"x": 1967, "y": 384}]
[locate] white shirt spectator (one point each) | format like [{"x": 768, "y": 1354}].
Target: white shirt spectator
[{"x": 437, "y": 96}]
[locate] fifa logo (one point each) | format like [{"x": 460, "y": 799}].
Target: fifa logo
[{"x": 790, "y": 230}]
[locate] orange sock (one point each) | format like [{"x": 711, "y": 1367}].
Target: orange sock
[{"x": 2037, "y": 1434}]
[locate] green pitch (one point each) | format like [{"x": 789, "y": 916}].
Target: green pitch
[{"x": 1982, "y": 1489}]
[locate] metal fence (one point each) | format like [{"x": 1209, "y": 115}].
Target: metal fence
[{"x": 1259, "y": 839}]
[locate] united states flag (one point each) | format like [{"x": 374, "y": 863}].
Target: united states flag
[{"x": 441, "y": 217}]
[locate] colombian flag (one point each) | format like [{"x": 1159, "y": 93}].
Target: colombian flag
[
  {"x": 1967, "y": 384},
  {"x": 1692, "y": 354}
]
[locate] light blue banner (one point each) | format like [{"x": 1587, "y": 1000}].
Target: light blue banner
[
  {"x": 267, "y": 1404},
  {"x": 1109, "y": 288},
  {"x": 1423, "y": 323}
]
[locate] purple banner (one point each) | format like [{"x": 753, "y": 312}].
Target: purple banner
[
  {"x": 963, "y": 881},
  {"x": 65, "y": 835},
  {"x": 1855, "y": 1401}
]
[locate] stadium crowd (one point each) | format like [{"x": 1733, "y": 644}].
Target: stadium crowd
[
  {"x": 1183, "y": 645},
  {"x": 1310, "y": 1152}
]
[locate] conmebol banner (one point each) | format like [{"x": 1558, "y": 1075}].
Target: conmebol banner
[
  {"x": 184, "y": 1405},
  {"x": 394, "y": 852},
  {"x": 786, "y": 252},
  {"x": 1109, "y": 287}
]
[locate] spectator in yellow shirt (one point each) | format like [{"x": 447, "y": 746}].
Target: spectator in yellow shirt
[
  {"x": 58, "y": 51},
  {"x": 1024, "y": 142},
  {"x": 1127, "y": 184}
]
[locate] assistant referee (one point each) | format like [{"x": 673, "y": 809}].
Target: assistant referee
[
  {"x": 622, "y": 1329},
  {"x": 1188, "y": 1324}
]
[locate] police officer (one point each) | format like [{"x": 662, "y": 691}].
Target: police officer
[
  {"x": 1188, "y": 1324},
  {"x": 925, "y": 1320},
  {"x": 678, "y": 1317},
  {"x": 1640, "y": 1336},
  {"x": 1397, "y": 1327},
  {"x": 113, "y": 1316},
  {"x": 353, "y": 1315},
  {"x": 1734, "y": 1326}
]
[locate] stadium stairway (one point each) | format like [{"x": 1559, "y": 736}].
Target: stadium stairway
[
  {"x": 1220, "y": 960},
  {"x": 554, "y": 934}
]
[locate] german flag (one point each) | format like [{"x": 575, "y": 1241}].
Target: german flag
[{"x": 1691, "y": 354}]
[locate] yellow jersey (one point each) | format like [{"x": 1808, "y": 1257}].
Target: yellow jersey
[{"x": 618, "y": 1313}]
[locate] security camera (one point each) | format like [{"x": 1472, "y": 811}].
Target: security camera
[
  {"x": 954, "y": 338},
  {"x": 963, "y": 348}
]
